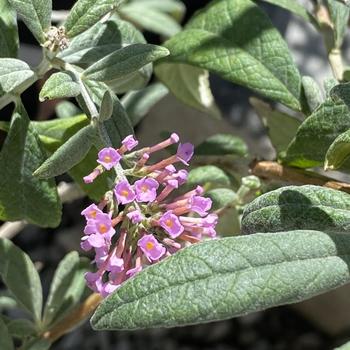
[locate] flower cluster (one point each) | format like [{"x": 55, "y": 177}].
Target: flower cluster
[{"x": 141, "y": 221}]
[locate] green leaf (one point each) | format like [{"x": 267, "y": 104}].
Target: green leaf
[
  {"x": 14, "y": 74},
  {"x": 21, "y": 328},
  {"x": 222, "y": 145},
  {"x": 208, "y": 174},
  {"x": 23, "y": 196},
  {"x": 222, "y": 197},
  {"x": 106, "y": 109},
  {"x": 138, "y": 103},
  {"x": 124, "y": 61},
  {"x": 7, "y": 301},
  {"x": 298, "y": 207},
  {"x": 36, "y": 14},
  {"x": 312, "y": 92},
  {"x": 59, "y": 85},
  {"x": 150, "y": 18},
  {"x": 61, "y": 282},
  {"x": 66, "y": 109},
  {"x": 316, "y": 134},
  {"x": 341, "y": 92},
  {"x": 101, "y": 40},
  {"x": 8, "y": 31},
  {"x": 345, "y": 346},
  {"x": 189, "y": 84},
  {"x": 228, "y": 277},
  {"x": 86, "y": 13},
  {"x": 6, "y": 340},
  {"x": 222, "y": 39},
  {"x": 37, "y": 344},
  {"x": 338, "y": 152},
  {"x": 328, "y": 85},
  {"x": 69, "y": 154},
  {"x": 281, "y": 127},
  {"x": 339, "y": 14},
  {"x": 21, "y": 278}
]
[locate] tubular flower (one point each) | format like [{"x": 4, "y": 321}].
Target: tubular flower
[{"x": 145, "y": 221}]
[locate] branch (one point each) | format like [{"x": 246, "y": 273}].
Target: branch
[{"x": 273, "y": 171}]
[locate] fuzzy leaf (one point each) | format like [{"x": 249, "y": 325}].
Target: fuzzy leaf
[
  {"x": 86, "y": 13},
  {"x": 228, "y": 277},
  {"x": 345, "y": 346},
  {"x": 37, "y": 344},
  {"x": 138, "y": 103},
  {"x": 59, "y": 85},
  {"x": 281, "y": 127},
  {"x": 338, "y": 151},
  {"x": 222, "y": 144},
  {"x": 341, "y": 92},
  {"x": 208, "y": 174},
  {"x": 21, "y": 278},
  {"x": 222, "y": 39},
  {"x": 22, "y": 196},
  {"x": 189, "y": 84},
  {"x": 8, "y": 30},
  {"x": 316, "y": 134},
  {"x": 6, "y": 340},
  {"x": 66, "y": 109},
  {"x": 312, "y": 92},
  {"x": 13, "y": 74},
  {"x": 36, "y": 14},
  {"x": 221, "y": 197},
  {"x": 68, "y": 155},
  {"x": 298, "y": 207},
  {"x": 106, "y": 109},
  {"x": 21, "y": 328},
  {"x": 124, "y": 61}
]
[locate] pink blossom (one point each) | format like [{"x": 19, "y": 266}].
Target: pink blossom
[
  {"x": 185, "y": 152},
  {"x": 124, "y": 192},
  {"x": 108, "y": 288},
  {"x": 174, "y": 138},
  {"x": 94, "y": 281},
  {"x": 135, "y": 216},
  {"x": 84, "y": 244},
  {"x": 115, "y": 264},
  {"x": 101, "y": 255},
  {"x": 88, "y": 179},
  {"x": 152, "y": 249},
  {"x": 132, "y": 272},
  {"x": 129, "y": 142},
  {"x": 108, "y": 157},
  {"x": 146, "y": 189},
  {"x": 102, "y": 225},
  {"x": 200, "y": 205},
  {"x": 171, "y": 224},
  {"x": 91, "y": 211}
]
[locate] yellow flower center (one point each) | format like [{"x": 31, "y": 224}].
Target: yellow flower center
[
  {"x": 149, "y": 245},
  {"x": 107, "y": 159},
  {"x": 102, "y": 228},
  {"x": 169, "y": 223},
  {"x": 92, "y": 214},
  {"x": 144, "y": 188},
  {"x": 125, "y": 193}
]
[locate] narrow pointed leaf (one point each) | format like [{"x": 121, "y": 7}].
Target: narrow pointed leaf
[
  {"x": 59, "y": 85},
  {"x": 190, "y": 85},
  {"x": 124, "y": 61},
  {"x": 8, "y": 31},
  {"x": 21, "y": 328},
  {"x": 32, "y": 199},
  {"x": 106, "y": 109},
  {"x": 6, "y": 340},
  {"x": 86, "y": 13},
  {"x": 36, "y": 14},
  {"x": 338, "y": 152},
  {"x": 68, "y": 155},
  {"x": 312, "y": 92},
  {"x": 228, "y": 277},
  {"x": 221, "y": 39},
  {"x": 66, "y": 109},
  {"x": 21, "y": 278}
]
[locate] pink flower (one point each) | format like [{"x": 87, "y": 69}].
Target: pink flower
[
  {"x": 101, "y": 225},
  {"x": 181, "y": 176},
  {"x": 101, "y": 255},
  {"x": 174, "y": 138},
  {"x": 200, "y": 205},
  {"x": 185, "y": 152},
  {"x": 129, "y": 142},
  {"x": 108, "y": 157},
  {"x": 151, "y": 248},
  {"x": 132, "y": 272},
  {"x": 94, "y": 281},
  {"x": 135, "y": 216},
  {"x": 88, "y": 179},
  {"x": 95, "y": 240},
  {"x": 124, "y": 192},
  {"x": 84, "y": 244},
  {"x": 171, "y": 224},
  {"x": 108, "y": 288},
  {"x": 115, "y": 264},
  {"x": 91, "y": 211},
  {"x": 146, "y": 189}
]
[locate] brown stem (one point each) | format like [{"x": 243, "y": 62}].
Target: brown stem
[
  {"x": 73, "y": 319},
  {"x": 274, "y": 171}
]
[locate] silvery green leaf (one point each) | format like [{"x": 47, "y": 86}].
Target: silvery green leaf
[
  {"x": 6, "y": 340},
  {"x": 86, "y": 13},
  {"x": 138, "y": 103},
  {"x": 59, "y": 85},
  {"x": 341, "y": 92},
  {"x": 221, "y": 38},
  {"x": 222, "y": 197},
  {"x": 225, "y": 278},
  {"x": 208, "y": 174},
  {"x": 21, "y": 278},
  {"x": 21, "y": 328},
  {"x": 14, "y": 74},
  {"x": 37, "y": 344},
  {"x": 68, "y": 155},
  {"x": 106, "y": 108},
  {"x": 66, "y": 109},
  {"x": 345, "y": 346},
  {"x": 36, "y": 14},
  {"x": 338, "y": 152},
  {"x": 189, "y": 84},
  {"x": 8, "y": 30},
  {"x": 33, "y": 200},
  {"x": 150, "y": 18},
  {"x": 312, "y": 92},
  {"x": 124, "y": 61}
]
